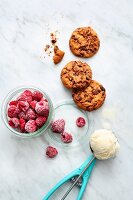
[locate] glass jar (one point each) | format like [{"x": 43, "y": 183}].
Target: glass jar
[{"x": 12, "y": 96}]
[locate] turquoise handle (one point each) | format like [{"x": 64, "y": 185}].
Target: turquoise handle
[
  {"x": 60, "y": 183},
  {"x": 85, "y": 178}
]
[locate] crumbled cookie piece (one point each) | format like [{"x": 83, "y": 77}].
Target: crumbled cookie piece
[
  {"x": 47, "y": 49},
  {"x": 58, "y": 55}
]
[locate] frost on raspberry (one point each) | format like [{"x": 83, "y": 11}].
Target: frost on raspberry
[
  {"x": 13, "y": 111},
  {"x": 13, "y": 103},
  {"x": 80, "y": 122},
  {"x": 30, "y": 126},
  {"x": 51, "y": 152},
  {"x": 58, "y": 126},
  {"x": 37, "y": 95},
  {"x": 33, "y": 104},
  {"x": 66, "y": 137},
  {"x": 23, "y": 105},
  {"x": 22, "y": 115},
  {"x": 25, "y": 97},
  {"x": 42, "y": 108},
  {"x": 22, "y": 125},
  {"x": 44, "y": 99},
  {"x": 30, "y": 114},
  {"x": 40, "y": 121},
  {"x": 14, "y": 122},
  {"x": 27, "y": 93}
]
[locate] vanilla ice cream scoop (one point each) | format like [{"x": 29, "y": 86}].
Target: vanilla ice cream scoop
[{"x": 104, "y": 144}]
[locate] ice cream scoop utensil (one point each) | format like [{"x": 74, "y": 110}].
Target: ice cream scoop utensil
[{"x": 82, "y": 173}]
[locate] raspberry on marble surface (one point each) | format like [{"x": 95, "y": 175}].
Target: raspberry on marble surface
[
  {"x": 58, "y": 126},
  {"x": 30, "y": 126},
  {"x": 40, "y": 121},
  {"x": 51, "y": 152},
  {"x": 66, "y": 137},
  {"x": 80, "y": 122},
  {"x": 23, "y": 105},
  {"x": 42, "y": 108},
  {"x": 30, "y": 114}
]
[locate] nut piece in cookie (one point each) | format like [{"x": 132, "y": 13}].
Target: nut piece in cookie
[
  {"x": 84, "y": 42},
  {"x": 58, "y": 55},
  {"x": 91, "y": 97},
  {"x": 76, "y": 75}
]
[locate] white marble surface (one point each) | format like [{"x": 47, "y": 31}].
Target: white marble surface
[{"x": 25, "y": 173}]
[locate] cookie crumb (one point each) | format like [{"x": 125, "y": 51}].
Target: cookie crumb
[
  {"x": 46, "y": 47},
  {"x": 58, "y": 55},
  {"x": 53, "y": 38}
]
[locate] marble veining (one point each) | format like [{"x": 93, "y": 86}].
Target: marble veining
[{"x": 25, "y": 172}]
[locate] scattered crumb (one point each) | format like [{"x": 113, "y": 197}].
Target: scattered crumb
[
  {"x": 53, "y": 38},
  {"x": 58, "y": 55},
  {"x": 46, "y": 47}
]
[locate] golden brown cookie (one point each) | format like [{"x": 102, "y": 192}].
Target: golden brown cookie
[
  {"x": 90, "y": 98},
  {"x": 84, "y": 42},
  {"x": 76, "y": 74}
]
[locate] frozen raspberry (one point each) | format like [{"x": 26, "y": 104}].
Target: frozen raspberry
[
  {"x": 27, "y": 93},
  {"x": 13, "y": 103},
  {"x": 37, "y": 95},
  {"x": 11, "y": 123},
  {"x": 33, "y": 104},
  {"x": 30, "y": 126},
  {"x": 23, "y": 105},
  {"x": 58, "y": 126},
  {"x": 42, "y": 108},
  {"x": 22, "y": 115},
  {"x": 30, "y": 114},
  {"x": 23, "y": 97},
  {"x": 40, "y": 121},
  {"x": 51, "y": 152},
  {"x": 22, "y": 125},
  {"x": 80, "y": 122},
  {"x": 43, "y": 99},
  {"x": 66, "y": 137},
  {"x": 14, "y": 122},
  {"x": 13, "y": 111}
]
